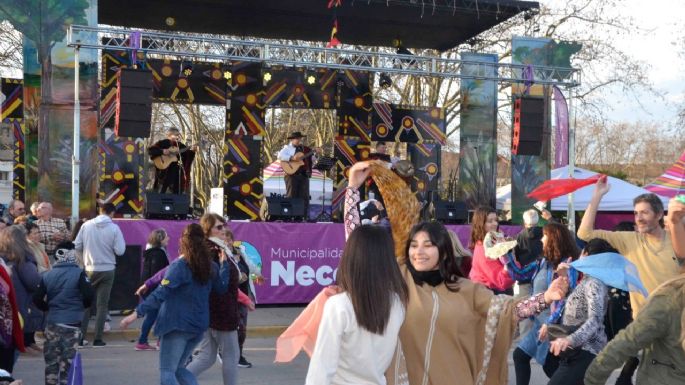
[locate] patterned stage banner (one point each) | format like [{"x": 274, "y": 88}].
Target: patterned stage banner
[
  {"x": 243, "y": 184},
  {"x": 478, "y": 143},
  {"x": 295, "y": 267},
  {"x": 12, "y": 131},
  {"x": 288, "y": 87},
  {"x": 392, "y": 123}
]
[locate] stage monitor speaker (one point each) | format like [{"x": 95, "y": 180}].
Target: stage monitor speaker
[
  {"x": 126, "y": 279},
  {"x": 451, "y": 212},
  {"x": 285, "y": 209},
  {"x": 166, "y": 205},
  {"x": 133, "y": 103},
  {"x": 529, "y": 123}
]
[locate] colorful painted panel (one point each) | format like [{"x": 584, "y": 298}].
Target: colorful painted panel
[
  {"x": 12, "y": 132},
  {"x": 478, "y": 143},
  {"x": 243, "y": 184},
  {"x": 392, "y": 123},
  {"x": 528, "y": 172},
  {"x": 348, "y": 150},
  {"x": 426, "y": 160},
  {"x": 49, "y": 95},
  {"x": 121, "y": 160},
  {"x": 287, "y": 87}
]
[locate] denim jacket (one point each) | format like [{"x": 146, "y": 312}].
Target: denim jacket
[{"x": 182, "y": 301}]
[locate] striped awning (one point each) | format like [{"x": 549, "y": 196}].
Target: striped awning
[{"x": 672, "y": 182}]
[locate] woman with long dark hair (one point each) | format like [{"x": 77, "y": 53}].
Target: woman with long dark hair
[
  {"x": 15, "y": 250},
  {"x": 222, "y": 335},
  {"x": 558, "y": 246},
  {"x": 490, "y": 272},
  {"x": 155, "y": 258},
  {"x": 454, "y": 331},
  {"x": 357, "y": 335},
  {"x": 183, "y": 303}
]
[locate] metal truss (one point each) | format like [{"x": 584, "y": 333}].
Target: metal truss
[{"x": 223, "y": 50}]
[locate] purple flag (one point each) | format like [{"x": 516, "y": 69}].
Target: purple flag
[
  {"x": 76, "y": 371},
  {"x": 561, "y": 108}
]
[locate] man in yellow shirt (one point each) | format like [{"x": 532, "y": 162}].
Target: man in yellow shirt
[{"x": 656, "y": 252}]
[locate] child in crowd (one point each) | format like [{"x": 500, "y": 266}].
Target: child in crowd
[{"x": 64, "y": 292}]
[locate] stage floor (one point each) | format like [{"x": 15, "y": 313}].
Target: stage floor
[{"x": 297, "y": 259}]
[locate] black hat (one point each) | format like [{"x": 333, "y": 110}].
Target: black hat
[{"x": 296, "y": 135}]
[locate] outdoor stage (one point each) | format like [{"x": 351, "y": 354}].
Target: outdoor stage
[{"x": 297, "y": 259}]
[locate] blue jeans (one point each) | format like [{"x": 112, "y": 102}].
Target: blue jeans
[
  {"x": 149, "y": 320},
  {"x": 175, "y": 348}
]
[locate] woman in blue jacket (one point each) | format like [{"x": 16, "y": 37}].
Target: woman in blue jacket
[{"x": 183, "y": 303}]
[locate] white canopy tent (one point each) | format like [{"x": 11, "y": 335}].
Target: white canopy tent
[
  {"x": 274, "y": 182},
  {"x": 619, "y": 198}
]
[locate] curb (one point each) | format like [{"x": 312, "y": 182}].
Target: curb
[{"x": 252, "y": 331}]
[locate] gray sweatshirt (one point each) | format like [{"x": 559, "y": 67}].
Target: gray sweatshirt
[{"x": 101, "y": 241}]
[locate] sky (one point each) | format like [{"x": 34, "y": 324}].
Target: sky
[{"x": 657, "y": 45}]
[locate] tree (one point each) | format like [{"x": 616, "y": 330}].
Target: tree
[{"x": 11, "y": 56}]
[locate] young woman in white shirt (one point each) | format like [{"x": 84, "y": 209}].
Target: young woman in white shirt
[{"x": 359, "y": 329}]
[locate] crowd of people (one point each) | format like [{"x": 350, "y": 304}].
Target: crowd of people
[
  {"x": 418, "y": 319},
  {"x": 585, "y": 306},
  {"x": 51, "y": 280}
]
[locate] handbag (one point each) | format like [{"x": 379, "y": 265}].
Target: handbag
[{"x": 557, "y": 331}]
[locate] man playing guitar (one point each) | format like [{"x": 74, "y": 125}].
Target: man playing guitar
[
  {"x": 172, "y": 161},
  {"x": 296, "y": 160}
]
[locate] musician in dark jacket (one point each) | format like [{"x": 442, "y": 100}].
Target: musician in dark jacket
[
  {"x": 297, "y": 184},
  {"x": 155, "y": 259},
  {"x": 176, "y": 175}
]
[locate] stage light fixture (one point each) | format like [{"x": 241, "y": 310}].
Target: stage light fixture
[
  {"x": 384, "y": 81},
  {"x": 311, "y": 80},
  {"x": 267, "y": 77},
  {"x": 228, "y": 75},
  {"x": 170, "y": 21}
]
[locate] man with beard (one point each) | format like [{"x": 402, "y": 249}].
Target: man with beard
[{"x": 650, "y": 247}]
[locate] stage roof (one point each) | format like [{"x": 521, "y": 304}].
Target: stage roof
[{"x": 362, "y": 22}]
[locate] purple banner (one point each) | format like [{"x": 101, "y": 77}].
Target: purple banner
[
  {"x": 297, "y": 259},
  {"x": 561, "y": 124}
]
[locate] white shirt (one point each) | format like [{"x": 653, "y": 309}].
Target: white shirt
[
  {"x": 347, "y": 354},
  {"x": 287, "y": 152}
]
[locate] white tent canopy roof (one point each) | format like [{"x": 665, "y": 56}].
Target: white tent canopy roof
[{"x": 619, "y": 198}]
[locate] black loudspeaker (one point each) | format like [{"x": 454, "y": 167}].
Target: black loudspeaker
[
  {"x": 126, "y": 279},
  {"x": 529, "y": 124},
  {"x": 285, "y": 209},
  {"x": 134, "y": 103},
  {"x": 451, "y": 212},
  {"x": 166, "y": 205}
]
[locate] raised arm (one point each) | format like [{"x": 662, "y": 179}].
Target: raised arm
[
  {"x": 357, "y": 175},
  {"x": 587, "y": 224},
  {"x": 676, "y": 227}
]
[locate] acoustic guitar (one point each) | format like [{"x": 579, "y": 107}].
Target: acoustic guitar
[
  {"x": 163, "y": 161},
  {"x": 297, "y": 161}
]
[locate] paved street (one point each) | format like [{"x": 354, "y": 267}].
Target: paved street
[{"x": 119, "y": 364}]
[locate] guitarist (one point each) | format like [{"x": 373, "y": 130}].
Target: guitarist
[
  {"x": 297, "y": 184},
  {"x": 176, "y": 176}
]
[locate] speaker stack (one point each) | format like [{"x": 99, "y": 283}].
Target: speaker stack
[
  {"x": 529, "y": 123},
  {"x": 134, "y": 103},
  {"x": 166, "y": 206},
  {"x": 285, "y": 209}
]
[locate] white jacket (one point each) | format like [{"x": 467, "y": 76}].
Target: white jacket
[{"x": 101, "y": 241}]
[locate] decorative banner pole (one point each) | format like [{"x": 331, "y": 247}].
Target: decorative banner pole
[
  {"x": 75, "y": 161},
  {"x": 571, "y": 213}
]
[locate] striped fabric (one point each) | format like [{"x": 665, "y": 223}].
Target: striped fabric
[{"x": 672, "y": 182}]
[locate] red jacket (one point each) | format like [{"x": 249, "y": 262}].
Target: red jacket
[
  {"x": 223, "y": 308},
  {"x": 489, "y": 272}
]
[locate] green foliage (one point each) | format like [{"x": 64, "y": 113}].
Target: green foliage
[{"x": 45, "y": 22}]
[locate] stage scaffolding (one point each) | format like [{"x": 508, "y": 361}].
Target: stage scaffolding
[
  {"x": 224, "y": 50},
  {"x": 198, "y": 46}
]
